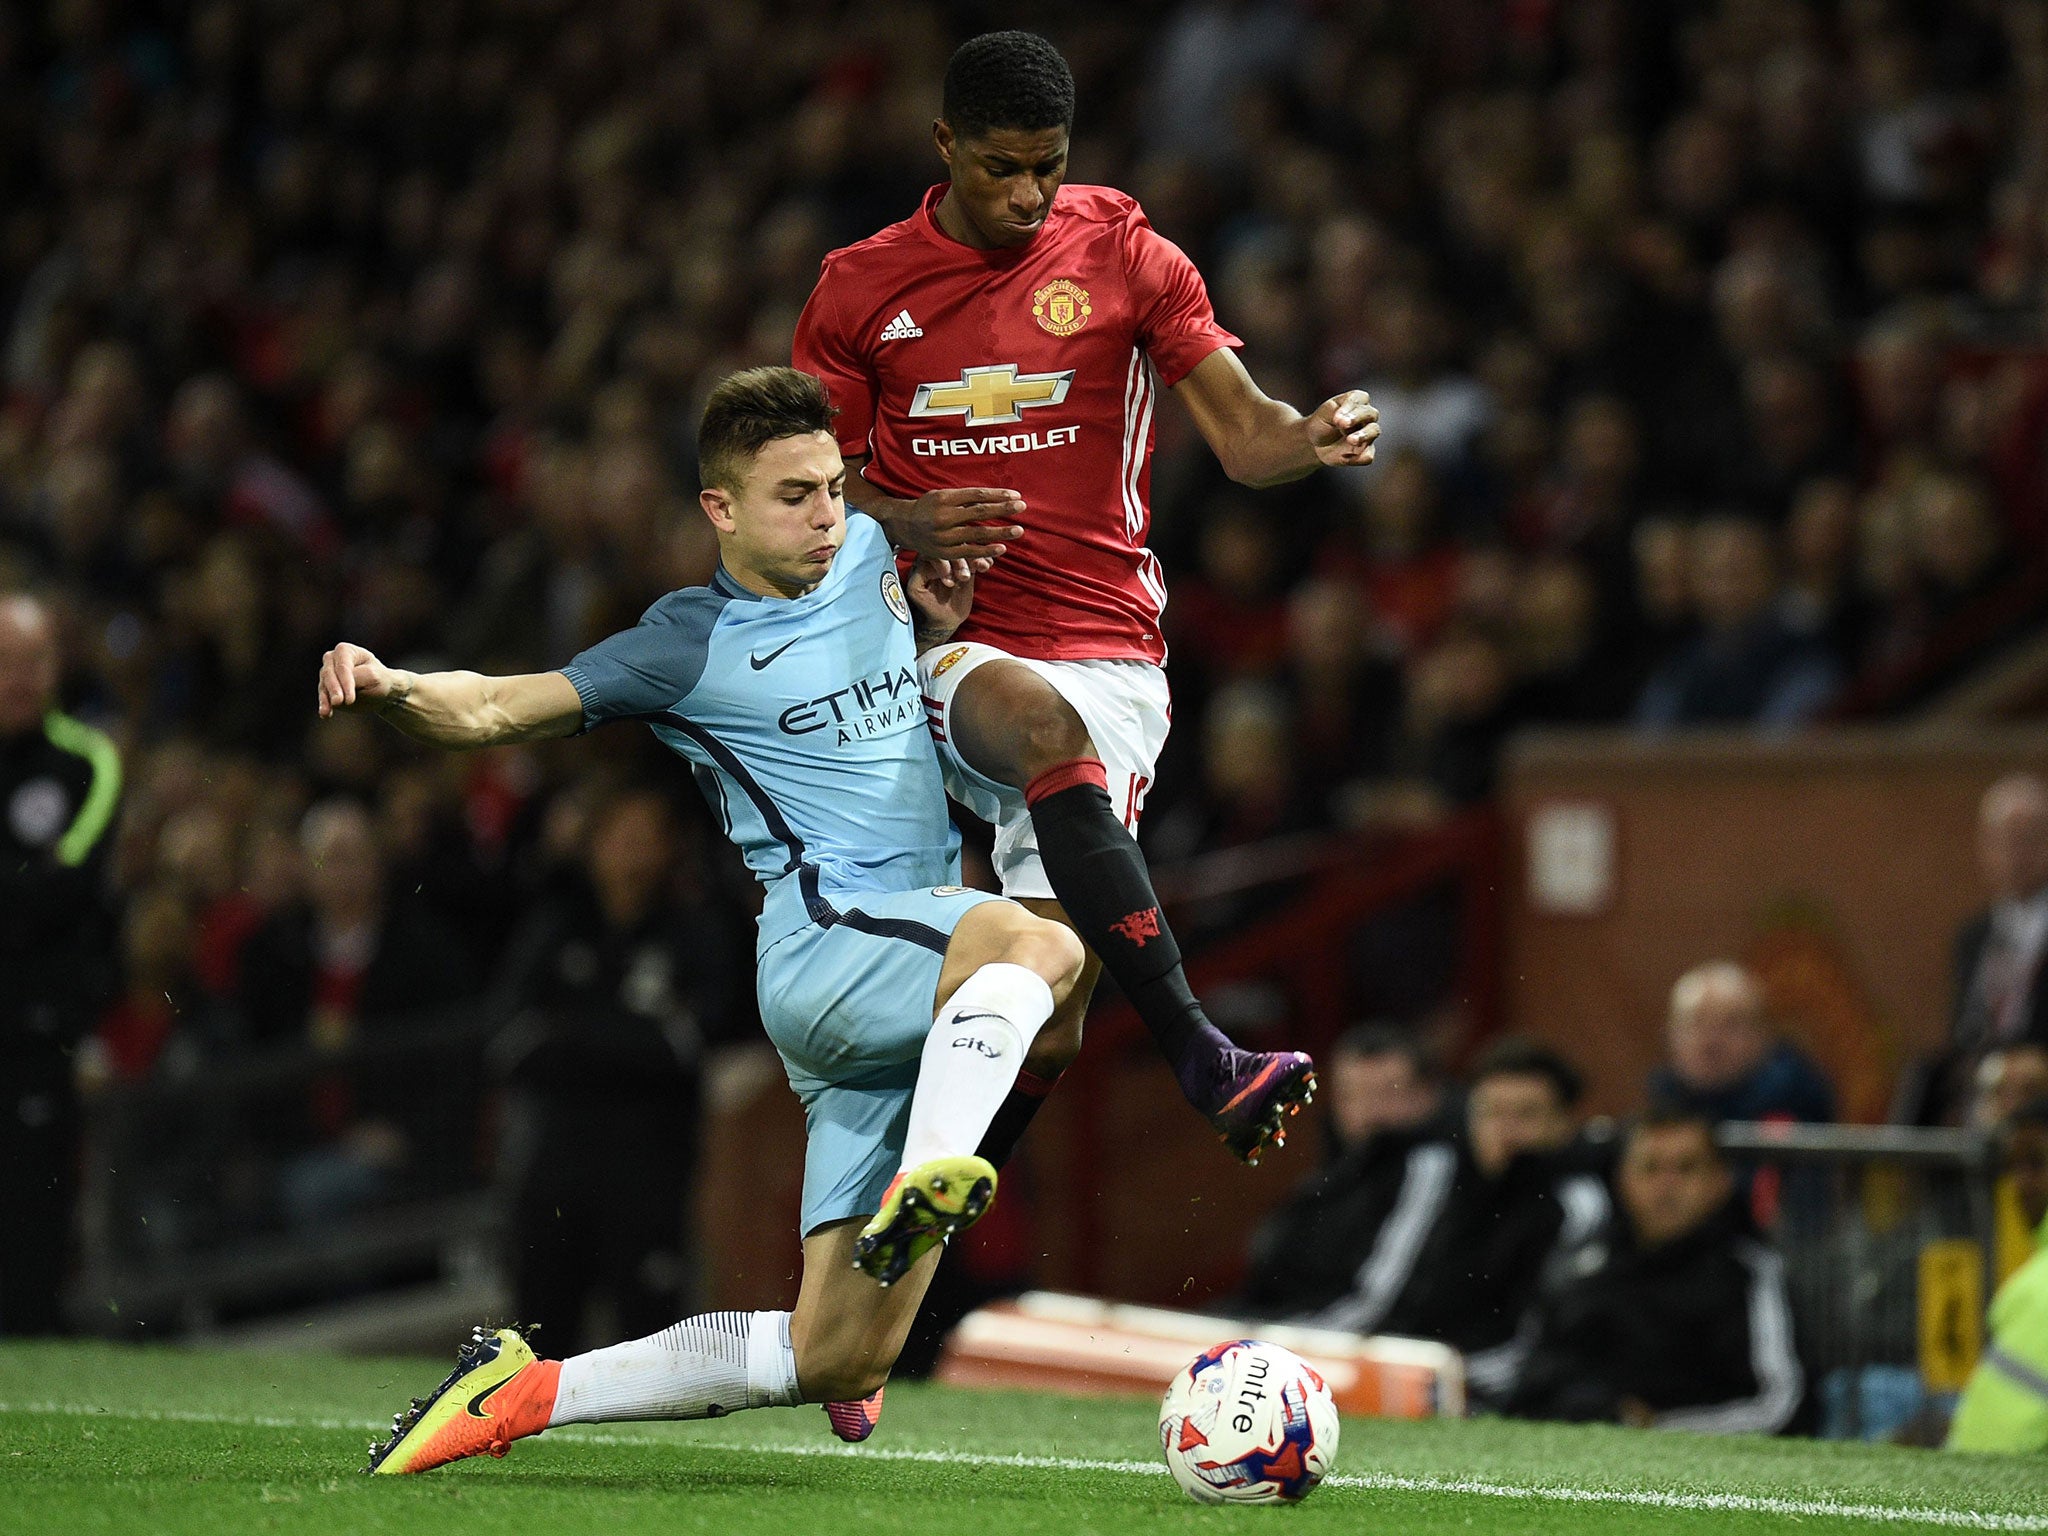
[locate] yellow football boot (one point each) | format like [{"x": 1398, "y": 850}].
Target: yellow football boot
[{"x": 923, "y": 1207}]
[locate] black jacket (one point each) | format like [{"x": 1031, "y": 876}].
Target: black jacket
[
  {"x": 59, "y": 787},
  {"x": 612, "y": 1017},
  {"x": 1459, "y": 1257},
  {"x": 1936, "y": 1089},
  {"x": 1305, "y": 1254},
  {"x": 417, "y": 969},
  {"x": 1698, "y": 1330},
  {"x": 1969, "y": 952}
]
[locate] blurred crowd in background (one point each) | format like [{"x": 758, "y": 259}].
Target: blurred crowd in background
[{"x": 1704, "y": 335}]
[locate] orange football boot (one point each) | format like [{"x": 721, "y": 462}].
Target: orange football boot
[{"x": 497, "y": 1393}]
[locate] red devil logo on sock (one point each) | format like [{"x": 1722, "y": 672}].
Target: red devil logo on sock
[{"x": 1138, "y": 927}]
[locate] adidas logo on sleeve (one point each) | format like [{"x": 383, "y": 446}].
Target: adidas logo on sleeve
[{"x": 902, "y": 328}]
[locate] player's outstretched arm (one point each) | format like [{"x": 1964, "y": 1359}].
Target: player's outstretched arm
[
  {"x": 1262, "y": 441},
  {"x": 450, "y": 709},
  {"x": 960, "y": 523}
]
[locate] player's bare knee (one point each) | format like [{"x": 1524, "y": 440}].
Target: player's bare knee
[
  {"x": 1049, "y": 735},
  {"x": 1050, "y": 950},
  {"x": 1016, "y": 725}
]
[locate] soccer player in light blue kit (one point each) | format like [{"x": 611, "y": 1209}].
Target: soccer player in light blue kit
[{"x": 902, "y": 1004}]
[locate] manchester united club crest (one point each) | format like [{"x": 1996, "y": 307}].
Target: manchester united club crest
[
  {"x": 1061, "y": 306},
  {"x": 892, "y": 594}
]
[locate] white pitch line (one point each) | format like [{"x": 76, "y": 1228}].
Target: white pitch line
[{"x": 1378, "y": 1482}]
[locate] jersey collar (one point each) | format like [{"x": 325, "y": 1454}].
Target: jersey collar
[{"x": 722, "y": 582}]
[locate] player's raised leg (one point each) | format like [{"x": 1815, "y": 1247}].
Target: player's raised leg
[
  {"x": 1005, "y": 972},
  {"x": 1012, "y": 726}
]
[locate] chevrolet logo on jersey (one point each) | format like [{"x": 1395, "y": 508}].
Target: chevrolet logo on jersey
[{"x": 989, "y": 396}]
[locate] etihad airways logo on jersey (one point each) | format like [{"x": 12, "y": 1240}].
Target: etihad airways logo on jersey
[
  {"x": 991, "y": 396},
  {"x": 875, "y": 706}
]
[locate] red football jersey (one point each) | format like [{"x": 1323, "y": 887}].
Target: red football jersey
[{"x": 1034, "y": 370}]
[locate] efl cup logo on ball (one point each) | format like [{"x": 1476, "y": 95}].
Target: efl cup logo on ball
[{"x": 1248, "y": 1423}]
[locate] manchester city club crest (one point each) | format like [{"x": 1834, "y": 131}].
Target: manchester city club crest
[
  {"x": 892, "y": 594},
  {"x": 1061, "y": 306}
]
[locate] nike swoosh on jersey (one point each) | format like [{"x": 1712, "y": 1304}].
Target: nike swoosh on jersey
[{"x": 758, "y": 662}]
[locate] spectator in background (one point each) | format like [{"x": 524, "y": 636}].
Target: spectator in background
[
  {"x": 610, "y": 993},
  {"x": 1750, "y": 663},
  {"x": 1249, "y": 785},
  {"x": 1459, "y": 710},
  {"x": 1345, "y": 691},
  {"x": 353, "y": 958},
  {"x": 159, "y": 999},
  {"x": 1957, "y": 543},
  {"x": 60, "y": 783},
  {"x": 2000, "y": 983},
  {"x": 2005, "y": 1405},
  {"x": 1680, "y": 1318},
  {"x": 1228, "y": 617},
  {"x": 1383, "y": 1093},
  {"x": 1725, "y": 1060},
  {"x": 1396, "y": 552},
  {"x": 1478, "y": 1217},
  {"x": 2008, "y": 1078},
  {"x": 354, "y": 954},
  {"x": 1821, "y": 596}
]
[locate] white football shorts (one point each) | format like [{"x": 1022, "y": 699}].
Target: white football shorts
[{"x": 1124, "y": 704}]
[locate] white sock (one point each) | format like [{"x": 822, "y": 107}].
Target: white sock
[
  {"x": 971, "y": 1059},
  {"x": 701, "y": 1368}
]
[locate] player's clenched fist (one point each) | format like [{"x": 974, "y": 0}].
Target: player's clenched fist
[
  {"x": 1344, "y": 428},
  {"x": 350, "y": 677}
]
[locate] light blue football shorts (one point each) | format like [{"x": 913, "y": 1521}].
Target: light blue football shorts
[{"x": 848, "y": 1004}]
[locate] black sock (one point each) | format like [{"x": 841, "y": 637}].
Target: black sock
[
  {"x": 1099, "y": 876},
  {"x": 1012, "y": 1116}
]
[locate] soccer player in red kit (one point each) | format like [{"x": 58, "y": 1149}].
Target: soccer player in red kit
[{"x": 996, "y": 359}]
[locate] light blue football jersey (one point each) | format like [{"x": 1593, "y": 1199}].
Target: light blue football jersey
[{"x": 803, "y": 721}]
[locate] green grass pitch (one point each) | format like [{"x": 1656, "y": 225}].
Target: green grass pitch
[{"x": 96, "y": 1438}]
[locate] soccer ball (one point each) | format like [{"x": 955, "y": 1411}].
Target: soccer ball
[{"x": 1248, "y": 1423}]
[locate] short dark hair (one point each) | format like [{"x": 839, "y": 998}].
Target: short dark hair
[
  {"x": 1007, "y": 80},
  {"x": 1377, "y": 1037},
  {"x": 1667, "y": 1116},
  {"x": 749, "y": 410},
  {"x": 1516, "y": 1057}
]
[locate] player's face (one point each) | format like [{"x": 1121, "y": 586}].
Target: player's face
[
  {"x": 1003, "y": 182},
  {"x": 780, "y": 531}
]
